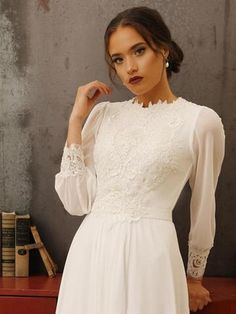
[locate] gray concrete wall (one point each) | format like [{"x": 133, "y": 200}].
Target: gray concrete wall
[{"x": 48, "y": 49}]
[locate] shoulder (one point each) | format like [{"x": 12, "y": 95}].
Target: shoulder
[
  {"x": 206, "y": 118},
  {"x": 109, "y": 107},
  {"x": 208, "y": 122},
  {"x": 98, "y": 109},
  {"x": 101, "y": 105},
  {"x": 202, "y": 108},
  {"x": 96, "y": 113}
]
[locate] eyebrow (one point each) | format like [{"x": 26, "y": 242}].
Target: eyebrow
[{"x": 131, "y": 48}]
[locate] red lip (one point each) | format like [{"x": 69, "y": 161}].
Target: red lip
[{"x": 135, "y": 79}]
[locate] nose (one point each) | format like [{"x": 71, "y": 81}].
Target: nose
[{"x": 131, "y": 66}]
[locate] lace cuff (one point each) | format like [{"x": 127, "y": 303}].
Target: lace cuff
[
  {"x": 72, "y": 160},
  {"x": 197, "y": 259}
]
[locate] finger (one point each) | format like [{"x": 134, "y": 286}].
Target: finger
[
  {"x": 193, "y": 305},
  {"x": 92, "y": 91},
  {"x": 106, "y": 88},
  {"x": 100, "y": 84},
  {"x": 194, "y": 309},
  {"x": 207, "y": 297},
  {"x": 200, "y": 307},
  {"x": 99, "y": 91},
  {"x": 200, "y": 302},
  {"x": 96, "y": 94},
  {"x": 102, "y": 88},
  {"x": 105, "y": 85}
]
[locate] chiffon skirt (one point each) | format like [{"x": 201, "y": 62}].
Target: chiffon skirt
[{"x": 122, "y": 267}]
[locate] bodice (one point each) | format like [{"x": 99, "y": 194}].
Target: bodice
[{"x": 139, "y": 153}]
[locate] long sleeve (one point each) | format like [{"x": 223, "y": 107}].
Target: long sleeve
[
  {"x": 75, "y": 184},
  {"x": 208, "y": 148}
]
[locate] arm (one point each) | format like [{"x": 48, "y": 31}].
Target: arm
[
  {"x": 75, "y": 184},
  {"x": 208, "y": 147}
]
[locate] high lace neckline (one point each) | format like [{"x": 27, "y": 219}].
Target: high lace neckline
[{"x": 159, "y": 103}]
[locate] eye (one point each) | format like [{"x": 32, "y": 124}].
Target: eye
[
  {"x": 115, "y": 60},
  {"x": 140, "y": 49}
]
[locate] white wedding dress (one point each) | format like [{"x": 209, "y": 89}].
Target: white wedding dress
[{"x": 126, "y": 177}]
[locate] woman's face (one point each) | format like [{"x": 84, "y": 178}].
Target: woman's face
[{"x": 140, "y": 60}]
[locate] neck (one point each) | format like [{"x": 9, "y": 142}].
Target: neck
[{"x": 161, "y": 92}]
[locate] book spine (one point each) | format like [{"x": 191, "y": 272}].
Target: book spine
[
  {"x": 22, "y": 238},
  {"x": 8, "y": 244}
]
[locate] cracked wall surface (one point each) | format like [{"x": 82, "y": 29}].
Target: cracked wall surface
[
  {"x": 48, "y": 49},
  {"x": 15, "y": 141}
]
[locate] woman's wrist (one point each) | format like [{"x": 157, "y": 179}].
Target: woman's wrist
[
  {"x": 194, "y": 279},
  {"x": 76, "y": 119}
]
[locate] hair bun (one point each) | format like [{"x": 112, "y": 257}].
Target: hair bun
[{"x": 176, "y": 56}]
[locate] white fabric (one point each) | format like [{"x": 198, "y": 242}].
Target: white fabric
[
  {"x": 127, "y": 176},
  {"x": 208, "y": 153}
]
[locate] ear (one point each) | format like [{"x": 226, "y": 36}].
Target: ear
[{"x": 166, "y": 53}]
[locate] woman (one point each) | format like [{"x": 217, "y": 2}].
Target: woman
[{"x": 125, "y": 169}]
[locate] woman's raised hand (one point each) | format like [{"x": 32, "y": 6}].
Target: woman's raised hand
[{"x": 83, "y": 103}]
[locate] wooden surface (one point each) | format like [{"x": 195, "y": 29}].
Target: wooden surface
[
  {"x": 27, "y": 305},
  {"x": 38, "y": 295},
  {"x": 221, "y": 288},
  {"x": 32, "y": 295},
  {"x": 30, "y": 286}
]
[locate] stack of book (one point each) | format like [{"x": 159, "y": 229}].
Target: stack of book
[
  {"x": 15, "y": 245},
  {"x": 15, "y": 233}
]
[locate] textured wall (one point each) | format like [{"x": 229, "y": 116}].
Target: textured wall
[{"x": 48, "y": 49}]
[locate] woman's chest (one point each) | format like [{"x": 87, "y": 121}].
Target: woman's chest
[{"x": 142, "y": 142}]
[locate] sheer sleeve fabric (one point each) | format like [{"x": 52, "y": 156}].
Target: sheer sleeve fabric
[
  {"x": 75, "y": 184},
  {"x": 208, "y": 147}
]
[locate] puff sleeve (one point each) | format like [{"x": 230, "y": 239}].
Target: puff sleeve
[
  {"x": 208, "y": 148},
  {"x": 75, "y": 184}
]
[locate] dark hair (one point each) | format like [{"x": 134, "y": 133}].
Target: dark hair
[{"x": 151, "y": 26}]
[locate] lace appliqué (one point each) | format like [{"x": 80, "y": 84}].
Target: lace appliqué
[
  {"x": 73, "y": 161},
  {"x": 133, "y": 159},
  {"x": 124, "y": 207},
  {"x": 197, "y": 259}
]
